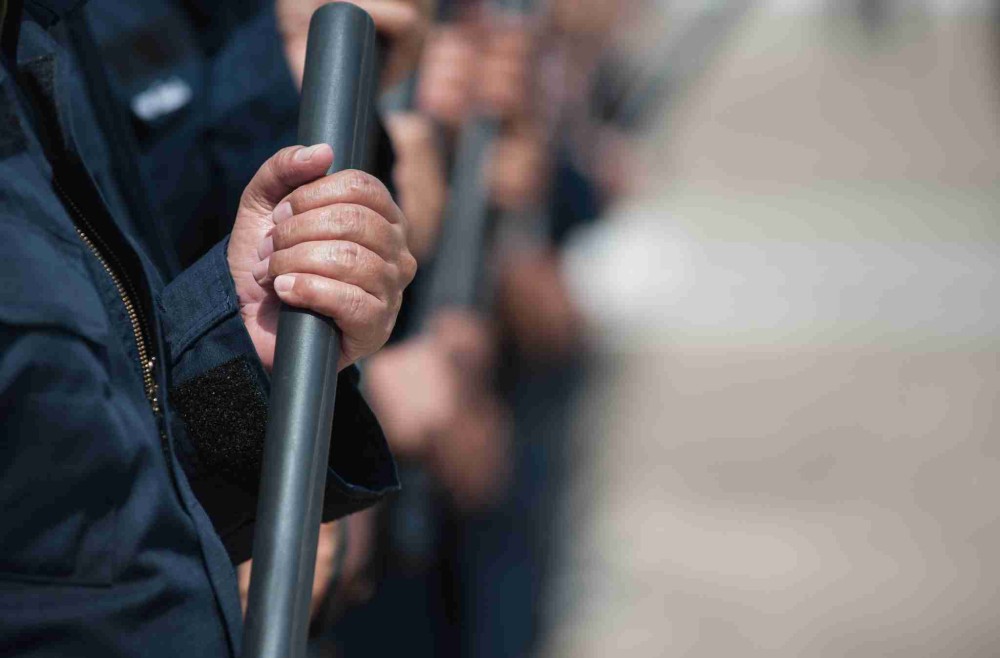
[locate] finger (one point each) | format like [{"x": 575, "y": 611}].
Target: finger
[
  {"x": 283, "y": 172},
  {"x": 411, "y": 134},
  {"x": 336, "y": 259},
  {"x": 344, "y": 221},
  {"x": 392, "y": 17},
  {"x": 349, "y": 186},
  {"x": 355, "y": 311}
]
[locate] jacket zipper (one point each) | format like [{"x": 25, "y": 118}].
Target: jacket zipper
[{"x": 128, "y": 295}]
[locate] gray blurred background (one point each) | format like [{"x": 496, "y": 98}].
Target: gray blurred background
[{"x": 791, "y": 444}]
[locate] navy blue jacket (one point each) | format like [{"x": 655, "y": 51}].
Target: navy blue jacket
[{"x": 132, "y": 400}]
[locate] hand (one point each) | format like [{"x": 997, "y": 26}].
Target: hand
[
  {"x": 400, "y": 21},
  {"x": 518, "y": 169},
  {"x": 448, "y": 75},
  {"x": 420, "y": 178},
  {"x": 590, "y": 21},
  {"x": 469, "y": 456},
  {"x": 415, "y": 393},
  {"x": 468, "y": 342},
  {"x": 536, "y": 307},
  {"x": 472, "y": 458},
  {"x": 326, "y": 555},
  {"x": 335, "y": 245},
  {"x": 418, "y": 388},
  {"x": 356, "y": 585},
  {"x": 503, "y": 79}
]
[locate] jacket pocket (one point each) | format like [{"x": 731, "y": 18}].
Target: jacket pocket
[
  {"x": 45, "y": 284},
  {"x": 62, "y": 475}
]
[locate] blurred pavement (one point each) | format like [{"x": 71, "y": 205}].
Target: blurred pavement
[{"x": 795, "y": 447}]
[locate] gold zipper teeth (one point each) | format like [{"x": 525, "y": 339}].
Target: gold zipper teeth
[{"x": 147, "y": 363}]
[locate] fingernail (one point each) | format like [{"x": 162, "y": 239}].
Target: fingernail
[
  {"x": 281, "y": 213},
  {"x": 307, "y": 152},
  {"x": 284, "y": 282},
  {"x": 266, "y": 247},
  {"x": 259, "y": 271}
]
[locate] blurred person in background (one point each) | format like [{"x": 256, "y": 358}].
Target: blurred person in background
[{"x": 480, "y": 593}]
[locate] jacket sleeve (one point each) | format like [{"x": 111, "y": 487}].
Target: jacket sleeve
[{"x": 220, "y": 391}]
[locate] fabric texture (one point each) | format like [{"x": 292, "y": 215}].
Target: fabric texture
[{"x": 115, "y": 525}]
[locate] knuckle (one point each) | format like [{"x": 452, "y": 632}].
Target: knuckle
[
  {"x": 401, "y": 233},
  {"x": 357, "y": 182},
  {"x": 410, "y": 266},
  {"x": 366, "y": 187},
  {"x": 327, "y": 219},
  {"x": 404, "y": 222},
  {"x": 313, "y": 195},
  {"x": 346, "y": 253},
  {"x": 297, "y": 198},
  {"x": 304, "y": 290},
  {"x": 282, "y": 235},
  {"x": 350, "y": 219},
  {"x": 388, "y": 278},
  {"x": 280, "y": 164},
  {"x": 372, "y": 265},
  {"x": 355, "y": 303},
  {"x": 388, "y": 316}
]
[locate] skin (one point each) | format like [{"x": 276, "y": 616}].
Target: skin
[
  {"x": 504, "y": 77},
  {"x": 402, "y": 23},
  {"x": 471, "y": 458},
  {"x": 536, "y": 307},
  {"x": 413, "y": 389},
  {"x": 448, "y": 74},
  {"x": 477, "y": 66},
  {"x": 420, "y": 178},
  {"x": 339, "y": 243},
  {"x": 335, "y": 245},
  {"x": 469, "y": 455},
  {"x": 519, "y": 168},
  {"x": 325, "y": 552}
]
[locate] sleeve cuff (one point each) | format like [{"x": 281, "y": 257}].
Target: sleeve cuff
[
  {"x": 360, "y": 473},
  {"x": 220, "y": 390},
  {"x": 202, "y": 323}
]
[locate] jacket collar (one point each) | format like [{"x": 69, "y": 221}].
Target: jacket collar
[
  {"x": 48, "y": 12},
  {"x": 44, "y": 12}
]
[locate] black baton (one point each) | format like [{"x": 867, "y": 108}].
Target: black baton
[{"x": 337, "y": 91}]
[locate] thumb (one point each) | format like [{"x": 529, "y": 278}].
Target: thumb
[{"x": 284, "y": 172}]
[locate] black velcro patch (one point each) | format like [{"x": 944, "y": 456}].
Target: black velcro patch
[{"x": 225, "y": 413}]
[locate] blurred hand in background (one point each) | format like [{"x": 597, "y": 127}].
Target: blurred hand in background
[
  {"x": 326, "y": 556},
  {"x": 535, "y": 306},
  {"x": 420, "y": 179},
  {"x": 518, "y": 169},
  {"x": 413, "y": 389},
  {"x": 470, "y": 456},
  {"x": 471, "y": 459},
  {"x": 417, "y": 388},
  {"x": 504, "y": 75},
  {"x": 448, "y": 74},
  {"x": 401, "y": 22}
]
